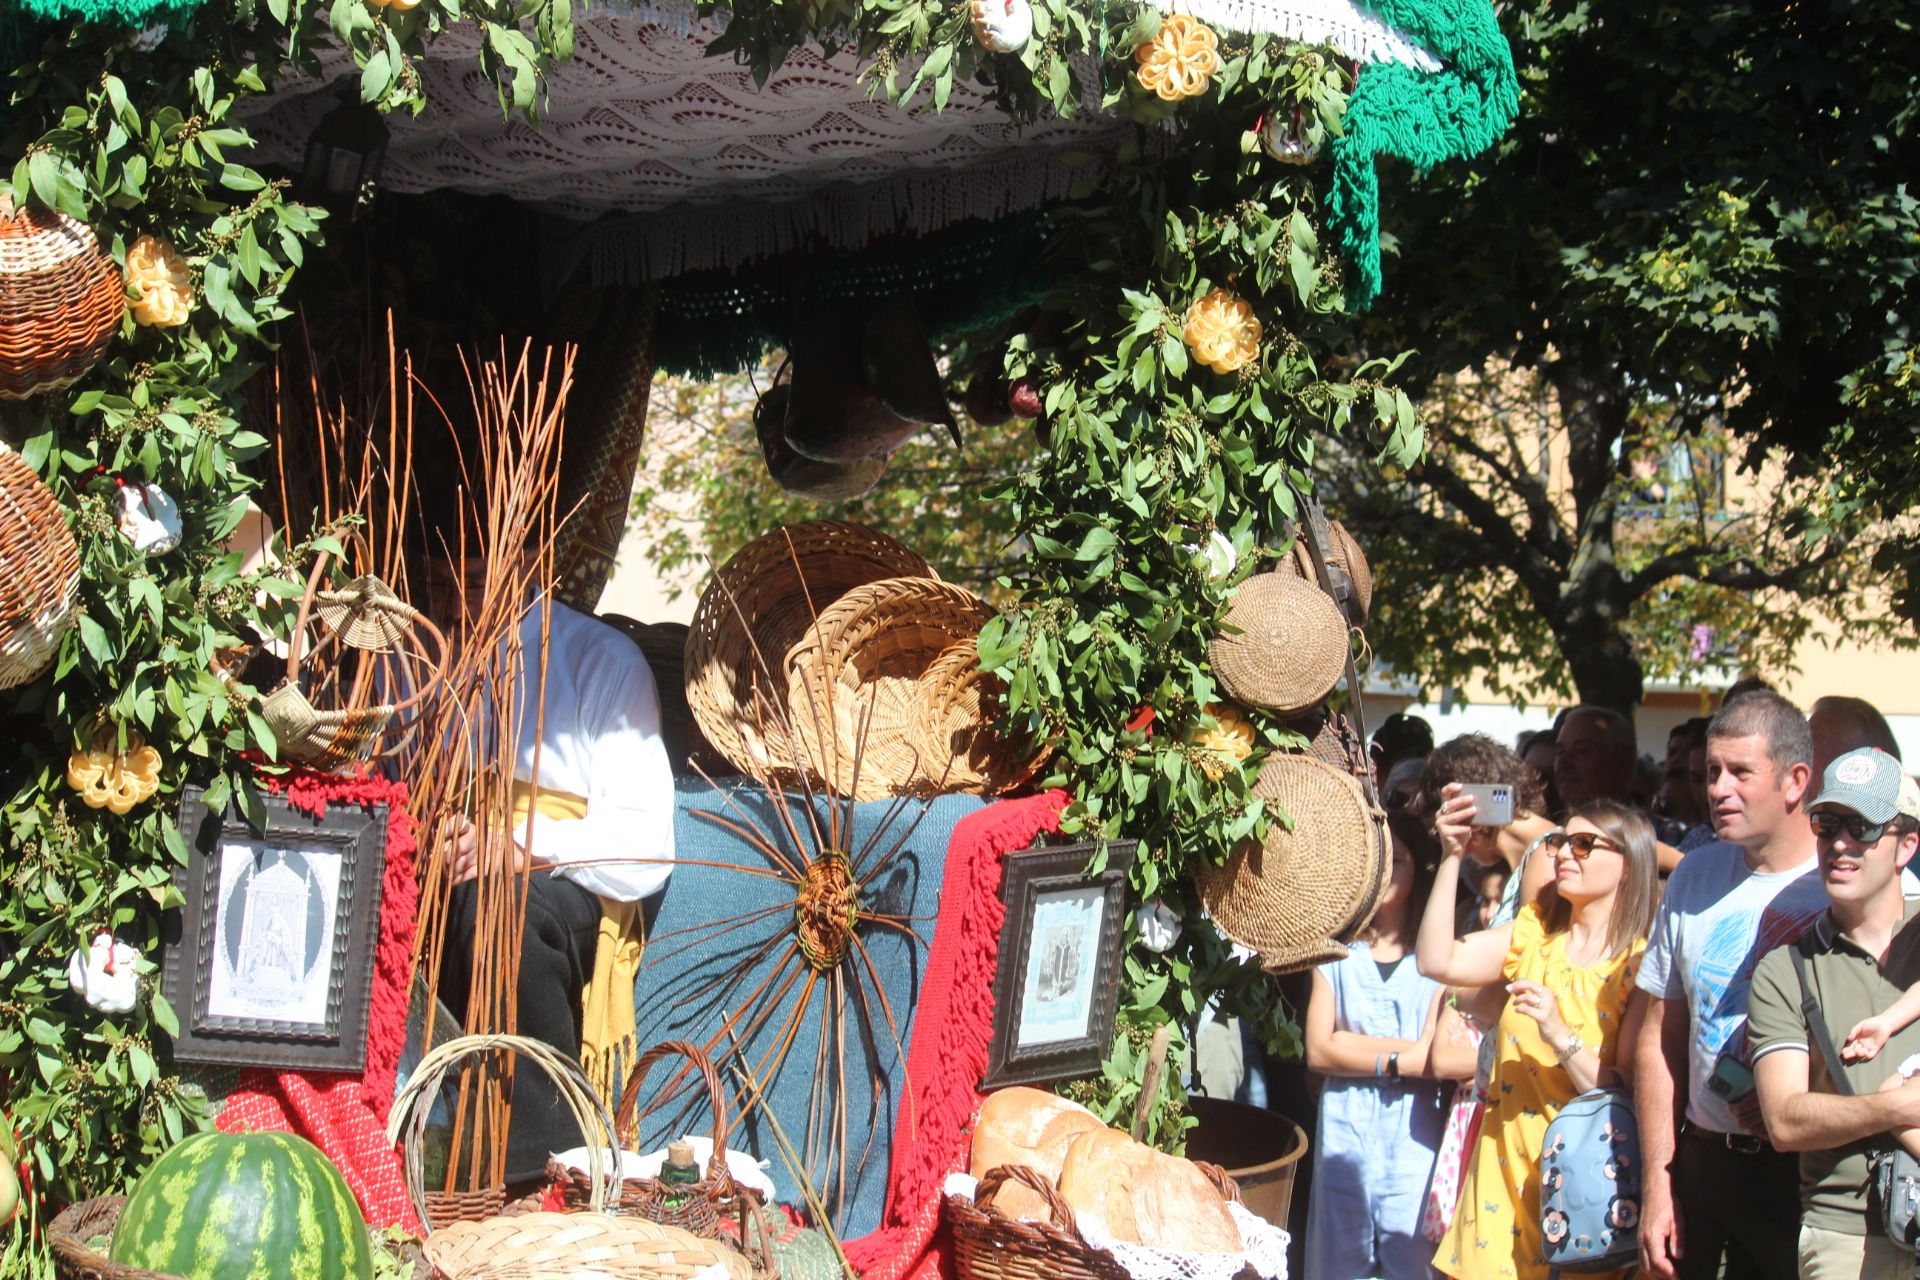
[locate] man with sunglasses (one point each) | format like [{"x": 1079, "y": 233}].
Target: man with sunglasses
[{"x": 1858, "y": 957}]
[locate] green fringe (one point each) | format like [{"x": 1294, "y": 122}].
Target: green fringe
[
  {"x": 1423, "y": 118},
  {"x": 137, "y": 13},
  {"x": 964, "y": 278}
]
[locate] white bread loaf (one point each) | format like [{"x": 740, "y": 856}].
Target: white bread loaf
[
  {"x": 1143, "y": 1196},
  {"x": 1030, "y": 1127}
]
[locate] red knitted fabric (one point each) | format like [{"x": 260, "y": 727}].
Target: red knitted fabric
[
  {"x": 346, "y": 1115},
  {"x": 952, "y": 1027}
]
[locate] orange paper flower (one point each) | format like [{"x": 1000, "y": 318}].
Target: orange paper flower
[
  {"x": 1180, "y": 61},
  {"x": 165, "y": 285},
  {"x": 1226, "y": 746},
  {"x": 1222, "y": 332},
  {"x": 112, "y": 780}
]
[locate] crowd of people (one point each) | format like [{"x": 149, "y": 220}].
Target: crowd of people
[{"x": 1720, "y": 937}]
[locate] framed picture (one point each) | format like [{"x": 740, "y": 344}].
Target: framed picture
[
  {"x": 1056, "y": 989},
  {"x": 270, "y": 962}
]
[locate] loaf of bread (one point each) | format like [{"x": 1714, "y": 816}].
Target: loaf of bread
[
  {"x": 1144, "y": 1196},
  {"x": 1030, "y": 1127}
]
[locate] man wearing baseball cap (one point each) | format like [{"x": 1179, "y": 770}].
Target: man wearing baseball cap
[{"x": 1856, "y": 962}]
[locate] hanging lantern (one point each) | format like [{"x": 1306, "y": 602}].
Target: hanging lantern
[
  {"x": 345, "y": 155},
  {"x": 1281, "y": 137},
  {"x": 1002, "y": 26}
]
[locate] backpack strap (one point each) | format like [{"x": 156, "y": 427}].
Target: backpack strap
[{"x": 1816, "y": 1019}]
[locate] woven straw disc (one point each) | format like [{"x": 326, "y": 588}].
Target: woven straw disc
[
  {"x": 1343, "y": 553},
  {"x": 1290, "y": 648},
  {"x": 575, "y": 1246},
  {"x": 1302, "y": 892},
  {"x": 859, "y": 668},
  {"x": 369, "y": 612},
  {"x": 765, "y": 598},
  {"x": 953, "y": 728},
  {"x": 39, "y": 572}
]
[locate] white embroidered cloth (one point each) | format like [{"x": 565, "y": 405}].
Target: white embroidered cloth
[{"x": 1346, "y": 26}]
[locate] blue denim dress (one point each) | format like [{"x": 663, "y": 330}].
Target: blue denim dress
[{"x": 1376, "y": 1138}]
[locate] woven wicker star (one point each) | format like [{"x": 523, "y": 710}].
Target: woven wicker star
[
  {"x": 1226, "y": 746},
  {"x": 1222, "y": 332},
  {"x": 1180, "y": 61},
  {"x": 158, "y": 272},
  {"x": 115, "y": 780}
]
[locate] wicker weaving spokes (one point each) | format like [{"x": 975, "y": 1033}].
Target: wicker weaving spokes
[
  {"x": 857, "y": 674},
  {"x": 39, "y": 572},
  {"x": 576, "y": 1246},
  {"x": 61, "y": 299},
  {"x": 954, "y": 727},
  {"x": 757, "y": 606}
]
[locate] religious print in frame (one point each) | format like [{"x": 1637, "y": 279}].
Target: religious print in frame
[
  {"x": 1056, "y": 987},
  {"x": 270, "y": 961}
]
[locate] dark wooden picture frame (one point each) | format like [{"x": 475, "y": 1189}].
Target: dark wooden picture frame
[
  {"x": 270, "y": 962},
  {"x": 1051, "y": 891}
]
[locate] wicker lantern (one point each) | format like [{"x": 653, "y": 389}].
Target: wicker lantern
[
  {"x": 61, "y": 298},
  {"x": 39, "y": 571}
]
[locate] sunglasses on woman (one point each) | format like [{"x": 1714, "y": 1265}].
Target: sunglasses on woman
[
  {"x": 1580, "y": 844},
  {"x": 1828, "y": 824}
]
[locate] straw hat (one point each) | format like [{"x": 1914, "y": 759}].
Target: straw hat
[{"x": 1283, "y": 646}]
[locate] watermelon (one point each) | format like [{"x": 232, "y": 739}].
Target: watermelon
[{"x": 244, "y": 1206}]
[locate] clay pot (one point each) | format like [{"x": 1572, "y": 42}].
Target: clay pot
[{"x": 798, "y": 474}]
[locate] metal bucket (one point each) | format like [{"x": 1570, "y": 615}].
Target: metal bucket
[{"x": 1259, "y": 1149}]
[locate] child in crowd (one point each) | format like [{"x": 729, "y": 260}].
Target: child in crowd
[
  {"x": 1493, "y": 887},
  {"x": 1370, "y": 1031},
  {"x": 1870, "y": 1035}
]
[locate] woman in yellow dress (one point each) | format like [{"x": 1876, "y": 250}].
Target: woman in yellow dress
[{"x": 1568, "y": 961}]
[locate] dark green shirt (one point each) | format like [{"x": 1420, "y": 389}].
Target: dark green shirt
[{"x": 1850, "y": 985}]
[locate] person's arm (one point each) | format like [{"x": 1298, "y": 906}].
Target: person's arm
[
  {"x": 1870, "y": 1035},
  {"x": 1660, "y": 1063},
  {"x": 1456, "y": 1050},
  {"x": 1584, "y": 1067},
  {"x": 1480, "y": 957},
  {"x": 1332, "y": 1052},
  {"x": 1801, "y": 1120},
  {"x": 1535, "y": 876}
]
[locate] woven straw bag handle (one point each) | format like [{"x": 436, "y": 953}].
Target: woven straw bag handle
[
  {"x": 1057, "y": 1208},
  {"x": 629, "y": 1115}
]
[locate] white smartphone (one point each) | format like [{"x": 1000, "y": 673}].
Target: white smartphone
[{"x": 1492, "y": 803}]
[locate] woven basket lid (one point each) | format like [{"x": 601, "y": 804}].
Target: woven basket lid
[
  {"x": 853, "y": 681},
  {"x": 1303, "y": 892},
  {"x": 1290, "y": 646},
  {"x": 954, "y": 728},
  {"x": 758, "y": 606},
  {"x": 591, "y": 1246},
  {"x": 1344, "y": 554}
]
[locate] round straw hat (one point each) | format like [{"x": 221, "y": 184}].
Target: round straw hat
[
  {"x": 1298, "y": 896},
  {"x": 1283, "y": 646}
]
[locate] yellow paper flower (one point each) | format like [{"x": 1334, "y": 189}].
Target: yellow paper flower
[
  {"x": 161, "y": 277},
  {"x": 1222, "y": 332},
  {"x": 1180, "y": 61},
  {"x": 1226, "y": 746},
  {"x": 115, "y": 781}
]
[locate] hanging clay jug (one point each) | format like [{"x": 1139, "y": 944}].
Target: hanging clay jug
[
  {"x": 797, "y": 474},
  {"x": 832, "y": 414},
  {"x": 898, "y": 363}
]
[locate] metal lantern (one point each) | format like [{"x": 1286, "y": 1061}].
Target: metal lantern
[{"x": 344, "y": 157}]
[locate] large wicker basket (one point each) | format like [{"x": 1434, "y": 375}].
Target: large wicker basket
[
  {"x": 39, "y": 572},
  {"x": 853, "y": 682},
  {"x": 758, "y": 605},
  {"x": 1283, "y": 645},
  {"x": 577, "y": 1246},
  {"x": 61, "y": 298},
  {"x": 954, "y": 733},
  {"x": 74, "y": 1258}
]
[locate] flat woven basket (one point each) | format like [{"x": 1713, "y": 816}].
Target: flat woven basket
[
  {"x": 1343, "y": 554},
  {"x": 854, "y": 682},
  {"x": 39, "y": 572},
  {"x": 1331, "y": 738},
  {"x": 1283, "y": 646},
  {"x": 576, "y": 1246},
  {"x": 61, "y": 298},
  {"x": 75, "y": 1259},
  {"x": 953, "y": 728},
  {"x": 1298, "y": 897},
  {"x": 759, "y": 605}
]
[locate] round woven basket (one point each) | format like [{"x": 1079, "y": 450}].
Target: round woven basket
[
  {"x": 953, "y": 728},
  {"x": 988, "y": 1245},
  {"x": 61, "y": 298},
  {"x": 853, "y": 682},
  {"x": 757, "y": 606},
  {"x": 1331, "y": 738},
  {"x": 39, "y": 572},
  {"x": 75, "y": 1259},
  {"x": 1298, "y": 896},
  {"x": 1344, "y": 554},
  {"x": 578, "y": 1246},
  {"x": 1283, "y": 645}
]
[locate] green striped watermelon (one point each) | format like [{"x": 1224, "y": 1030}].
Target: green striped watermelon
[{"x": 244, "y": 1206}]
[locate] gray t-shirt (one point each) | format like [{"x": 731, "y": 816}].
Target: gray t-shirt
[{"x": 1716, "y": 919}]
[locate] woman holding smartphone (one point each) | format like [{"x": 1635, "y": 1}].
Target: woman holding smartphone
[
  {"x": 1567, "y": 963},
  {"x": 1478, "y": 760}
]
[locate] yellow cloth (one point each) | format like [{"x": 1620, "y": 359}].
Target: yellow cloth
[
  {"x": 608, "y": 1034},
  {"x": 1496, "y": 1230}
]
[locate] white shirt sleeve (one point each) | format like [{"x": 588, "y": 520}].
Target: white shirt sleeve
[{"x": 1659, "y": 976}]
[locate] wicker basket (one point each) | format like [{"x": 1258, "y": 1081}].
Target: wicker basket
[
  {"x": 1331, "y": 738},
  {"x": 953, "y": 728},
  {"x": 853, "y": 682},
  {"x": 1343, "y": 554},
  {"x": 1300, "y": 895},
  {"x": 758, "y": 606},
  {"x": 576, "y": 1246},
  {"x": 407, "y": 1124},
  {"x": 75, "y": 1259},
  {"x": 1283, "y": 646},
  {"x": 39, "y": 572},
  {"x": 61, "y": 299}
]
